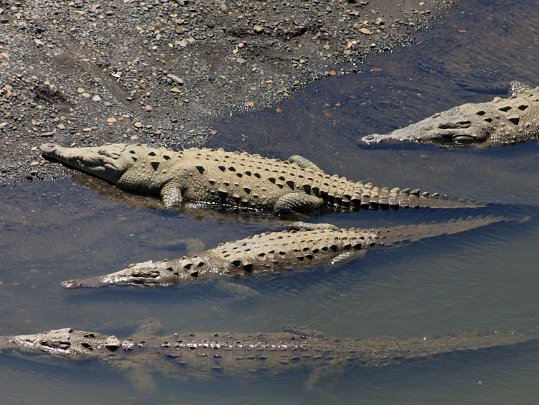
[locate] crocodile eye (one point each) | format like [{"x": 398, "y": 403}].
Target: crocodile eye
[{"x": 456, "y": 124}]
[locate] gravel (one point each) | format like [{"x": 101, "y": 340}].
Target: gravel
[{"x": 162, "y": 71}]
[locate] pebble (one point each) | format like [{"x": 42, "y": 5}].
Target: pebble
[
  {"x": 96, "y": 98},
  {"x": 175, "y": 78}
]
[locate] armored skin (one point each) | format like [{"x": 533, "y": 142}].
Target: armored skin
[
  {"x": 303, "y": 245},
  {"x": 497, "y": 122},
  {"x": 233, "y": 179},
  {"x": 204, "y": 355}
]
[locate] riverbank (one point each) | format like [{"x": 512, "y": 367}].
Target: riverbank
[{"x": 160, "y": 72}]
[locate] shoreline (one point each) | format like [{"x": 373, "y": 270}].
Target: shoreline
[{"x": 161, "y": 72}]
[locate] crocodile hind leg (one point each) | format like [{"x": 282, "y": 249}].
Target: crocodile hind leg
[
  {"x": 301, "y": 203},
  {"x": 171, "y": 195},
  {"x": 303, "y": 162}
]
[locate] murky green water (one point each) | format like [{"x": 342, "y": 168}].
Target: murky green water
[{"x": 483, "y": 280}]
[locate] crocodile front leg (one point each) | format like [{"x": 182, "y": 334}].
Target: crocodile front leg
[
  {"x": 301, "y": 203},
  {"x": 303, "y": 162},
  {"x": 171, "y": 195}
]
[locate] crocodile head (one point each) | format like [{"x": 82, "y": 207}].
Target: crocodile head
[
  {"x": 106, "y": 162},
  {"x": 454, "y": 127},
  {"x": 64, "y": 342}
]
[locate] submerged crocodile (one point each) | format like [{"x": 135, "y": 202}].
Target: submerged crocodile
[
  {"x": 500, "y": 121},
  {"x": 234, "y": 179},
  {"x": 304, "y": 245},
  {"x": 242, "y": 355}
]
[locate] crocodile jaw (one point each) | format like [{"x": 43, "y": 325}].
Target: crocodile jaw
[
  {"x": 64, "y": 342},
  {"x": 448, "y": 128},
  {"x": 105, "y": 162}
]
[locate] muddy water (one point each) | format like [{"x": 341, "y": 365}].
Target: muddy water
[{"x": 483, "y": 280}]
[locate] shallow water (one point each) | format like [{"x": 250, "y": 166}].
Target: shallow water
[{"x": 482, "y": 280}]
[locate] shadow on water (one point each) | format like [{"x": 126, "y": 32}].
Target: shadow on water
[{"x": 481, "y": 280}]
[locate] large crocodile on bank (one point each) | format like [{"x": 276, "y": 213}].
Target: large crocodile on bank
[
  {"x": 500, "y": 121},
  {"x": 303, "y": 245},
  {"x": 234, "y": 179},
  {"x": 242, "y": 355}
]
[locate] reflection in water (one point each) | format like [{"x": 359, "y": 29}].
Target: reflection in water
[{"x": 477, "y": 281}]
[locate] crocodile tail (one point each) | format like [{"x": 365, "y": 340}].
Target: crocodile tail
[
  {"x": 371, "y": 197},
  {"x": 396, "y": 351},
  {"x": 412, "y": 233}
]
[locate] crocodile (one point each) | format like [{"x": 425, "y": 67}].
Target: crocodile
[
  {"x": 302, "y": 245},
  {"x": 242, "y": 355},
  {"x": 497, "y": 122},
  {"x": 241, "y": 180}
]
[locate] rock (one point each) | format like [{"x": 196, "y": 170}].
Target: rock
[{"x": 175, "y": 78}]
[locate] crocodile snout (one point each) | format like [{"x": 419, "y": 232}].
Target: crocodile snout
[
  {"x": 71, "y": 284},
  {"x": 48, "y": 147}
]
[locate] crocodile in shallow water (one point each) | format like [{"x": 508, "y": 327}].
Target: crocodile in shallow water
[
  {"x": 234, "y": 179},
  {"x": 244, "y": 354},
  {"x": 500, "y": 121},
  {"x": 304, "y": 245}
]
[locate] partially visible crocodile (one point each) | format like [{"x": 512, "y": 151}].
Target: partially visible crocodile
[
  {"x": 233, "y": 179},
  {"x": 242, "y": 355},
  {"x": 306, "y": 244},
  {"x": 500, "y": 121}
]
